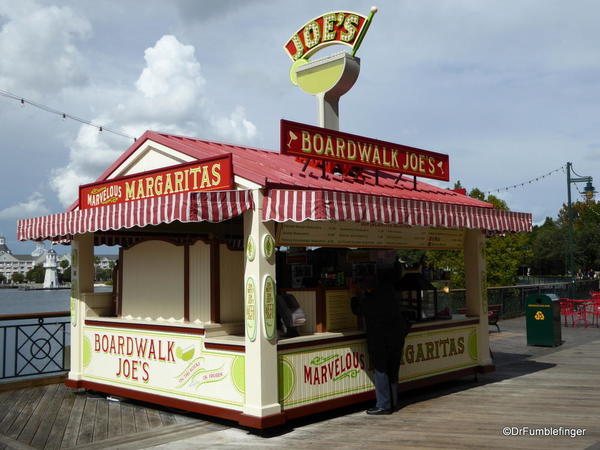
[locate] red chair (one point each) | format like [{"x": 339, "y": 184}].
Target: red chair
[
  {"x": 594, "y": 310},
  {"x": 568, "y": 309},
  {"x": 581, "y": 312}
]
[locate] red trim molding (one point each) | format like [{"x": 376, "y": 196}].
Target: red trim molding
[
  {"x": 144, "y": 326},
  {"x": 487, "y": 369},
  {"x": 449, "y": 324},
  {"x": 340, "y": 402},
  {"x": 226, "y": 347},
  {"x": 275, "y": 419},
  {"x": 73, "y": 384},
  {"x": 170, "y": 402},
  {"x": 355, "y": 337},
  {"x": 262, "y": 422}
]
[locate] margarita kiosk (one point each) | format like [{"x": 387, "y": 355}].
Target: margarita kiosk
[{"x": 211, "y": 233}]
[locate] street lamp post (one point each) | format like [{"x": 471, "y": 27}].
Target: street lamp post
[{"x": 588, "y": 192}]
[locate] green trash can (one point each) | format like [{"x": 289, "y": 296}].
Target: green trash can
[{"x": 543, "y": 320}]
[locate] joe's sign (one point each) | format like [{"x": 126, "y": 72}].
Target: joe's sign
[
  {"x": 213, "y": 174},
  {"x": 338, "y": 27},
  {"x": 307, "y": 141}
]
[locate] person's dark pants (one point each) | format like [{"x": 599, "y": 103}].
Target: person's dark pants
[
  {"x": 386, "y": 365},
  {"x": 386, "y": 389}
]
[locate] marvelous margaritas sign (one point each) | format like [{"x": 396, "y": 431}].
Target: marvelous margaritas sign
[{"x": 212, "y": 174}]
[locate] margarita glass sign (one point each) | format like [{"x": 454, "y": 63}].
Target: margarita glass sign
[{"x": 331, "y": 77}]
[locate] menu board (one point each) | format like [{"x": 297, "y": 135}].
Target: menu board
[
  {"x": 339, "y": 315},
  {"x": 367, "y": 235}
]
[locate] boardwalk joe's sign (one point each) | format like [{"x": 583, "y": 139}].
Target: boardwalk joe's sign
[
  {"x": 307, "y": 141},
  {"x": 213, "y": 174}
]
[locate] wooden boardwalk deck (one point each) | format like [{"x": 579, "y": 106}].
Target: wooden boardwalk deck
[
  {"x": 53, "y": 417},
  {"x": 533, "y": 387}
]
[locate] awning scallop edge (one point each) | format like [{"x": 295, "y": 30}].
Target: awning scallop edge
[
  {"x": 215, "y": 206},
  {"x": 282, "y": 205}
]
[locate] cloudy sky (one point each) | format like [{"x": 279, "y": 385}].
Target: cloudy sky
[{"x": 508, "y": 89}]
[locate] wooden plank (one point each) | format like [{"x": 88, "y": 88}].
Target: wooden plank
[
  {"x": 101, "y": 420},
  {"x": 127, "y": 420},
  {"x": 9, "y": 400},
  {"x": 114, "y": 419},
  {"x": 154, "y": 418},
  {"x": 167, "y": 418},
  {"x": 25, "y": 414},
  {"x": 141, "y": 419},
  {"x": 11, "y": 444},
  {"x": 72, "y": 429},
  {"x": 57, "y": 431},
  {"x": 163, "y": 435},
  {"x": 86, "y": 429},
  {"x": 38, "y": 415},
  {"x": 48, "y": 418}
]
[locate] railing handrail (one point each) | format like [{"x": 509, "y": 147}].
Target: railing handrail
[
  {"x": 516, "y": 286},
  {"x": 34, "y": 315}
]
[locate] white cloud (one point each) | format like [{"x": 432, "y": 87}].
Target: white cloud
[
  {"x": 170, "y": 96},
  {"x": 35, "y": 205},
  {"x": 171, "y": 83},
  {"x": 90, "y": 154},
  {"x": 38, "y": 47},
  {"x": 236, "y": 126}
]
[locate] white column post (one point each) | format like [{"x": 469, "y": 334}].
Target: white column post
[
  {"x": 476, "y": 290},
  {"x": 261, "y": 351},
  {"x": 82, "y": 280}
]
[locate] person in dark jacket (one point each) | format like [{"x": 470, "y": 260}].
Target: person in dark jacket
[{"x": 387, "y": 328}]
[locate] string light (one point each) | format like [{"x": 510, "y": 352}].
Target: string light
[
  {"x": 514, "y": 186},
  {"x": 23, "y": 101}
]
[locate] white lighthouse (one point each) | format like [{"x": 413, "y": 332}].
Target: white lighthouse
[{"x": 51, "y": 276}]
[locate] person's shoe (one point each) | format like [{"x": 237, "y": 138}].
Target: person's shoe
[{"x": 378, "y": 411}]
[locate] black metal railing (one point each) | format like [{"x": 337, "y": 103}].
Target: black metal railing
[
  {"x": 33, "y": 344},
  {"x": 513, "y": 298}
]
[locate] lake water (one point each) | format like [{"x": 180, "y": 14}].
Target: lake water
[
  {"x": 14, "y": 301},
  {"x": 39, "y": 347}
]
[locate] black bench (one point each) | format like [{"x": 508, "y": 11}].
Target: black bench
[{"x": 493, "y": 314}]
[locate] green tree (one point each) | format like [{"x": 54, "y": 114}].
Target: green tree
[
  {"x": 65, "y": 277},
  {"x": 103, "y": 274},
  {"x": 548, "y": 248},
  {"x": 2, "y": 278},
  {"x": 17, "y": 277},
  {"x": 36, "y": 274},
  {"x": 64, "y": 264},
  {"x": 505, "y": 253},
  {"x": 586, "y": 227}
]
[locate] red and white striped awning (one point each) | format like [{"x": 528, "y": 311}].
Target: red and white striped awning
[
  {"x": 282, "y": 205},
  {"x": 215, "y": 206}
]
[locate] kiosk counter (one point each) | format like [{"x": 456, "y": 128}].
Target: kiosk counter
[{"x": 202, "y": 227}]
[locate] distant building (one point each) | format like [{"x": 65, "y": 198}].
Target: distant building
[
  {"x": 106, "y": 261},
  {"x": 11, "y": 263}
]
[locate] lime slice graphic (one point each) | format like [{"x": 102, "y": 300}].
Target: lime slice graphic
[
  {"x": 179, "y": 352},
  {"x": 188, "y": 354},
  {"x": 87, "y": 352}
]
